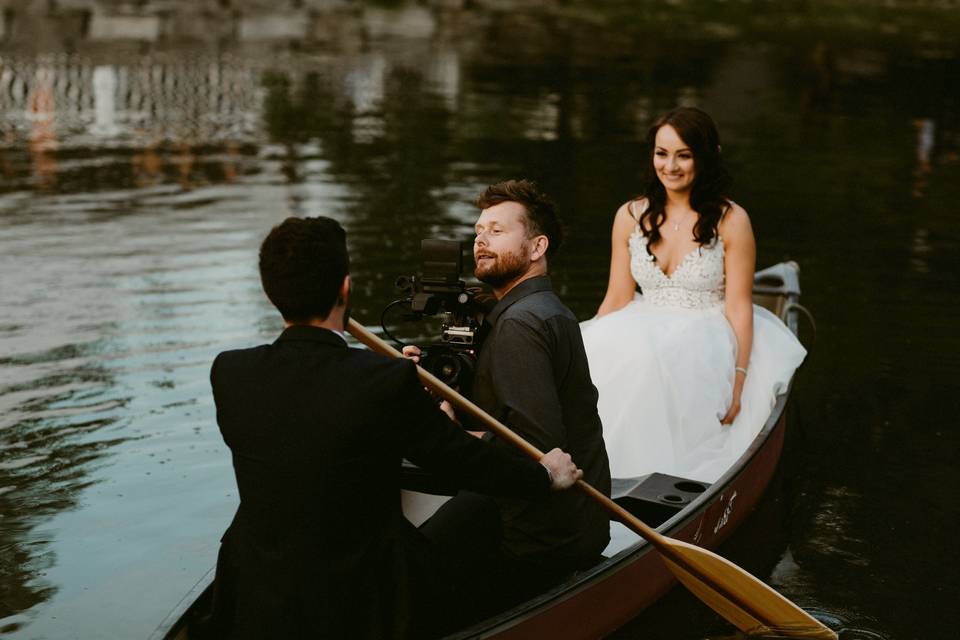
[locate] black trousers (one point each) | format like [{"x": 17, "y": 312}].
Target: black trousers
[
  {"x": 466, "y": 531},
  {"x": 422, "y": 601}
]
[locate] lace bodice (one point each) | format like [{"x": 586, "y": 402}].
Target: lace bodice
[{"x": 696, "y": 283}]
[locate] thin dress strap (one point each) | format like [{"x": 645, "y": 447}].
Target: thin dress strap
[
  {"x": 730, "y": 205},
  {"x": 633, "y": 213}
]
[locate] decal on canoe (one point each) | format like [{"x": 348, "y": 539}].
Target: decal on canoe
[
  {"x": 725, "y": 517},
  {"x": 699, "y": 534}
]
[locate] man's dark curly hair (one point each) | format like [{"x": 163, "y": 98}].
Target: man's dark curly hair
[
  {"x": 541, "y": 218},
  {"x": 302, "y": 264}
]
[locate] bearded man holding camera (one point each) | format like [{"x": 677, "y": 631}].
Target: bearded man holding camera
[{"x": 532, "y": 375}]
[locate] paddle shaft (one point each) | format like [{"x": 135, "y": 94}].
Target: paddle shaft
[{"x": 660, "y": 542}]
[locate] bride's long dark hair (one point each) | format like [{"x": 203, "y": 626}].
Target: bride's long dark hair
[{"x": 711, "y": 181}]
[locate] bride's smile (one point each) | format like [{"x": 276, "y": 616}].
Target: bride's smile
[{"x": 673, "y": 160}]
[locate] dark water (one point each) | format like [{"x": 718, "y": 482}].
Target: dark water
[{"x": 138, "y": 181}]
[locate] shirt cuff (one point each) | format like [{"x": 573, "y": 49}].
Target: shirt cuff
[{"x": 549, "y": 474}]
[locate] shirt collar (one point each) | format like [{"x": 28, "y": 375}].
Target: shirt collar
[
  {"x": 522, "y": 290},
  {"x": 304, "y": 332}
]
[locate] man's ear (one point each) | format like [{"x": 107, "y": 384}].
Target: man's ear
[
  {"x": 539, "y": 248},
  {"x": 343, "y": 295}
]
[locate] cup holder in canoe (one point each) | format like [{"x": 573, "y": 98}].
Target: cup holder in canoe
[
  {"x": 689, "y": 487},
  {"x": 657, "y": 497}
]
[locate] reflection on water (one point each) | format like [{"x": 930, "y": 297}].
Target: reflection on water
[{"x": 136, "y": 183}]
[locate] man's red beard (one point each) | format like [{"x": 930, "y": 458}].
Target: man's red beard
[{"x": 502, "y": 269}]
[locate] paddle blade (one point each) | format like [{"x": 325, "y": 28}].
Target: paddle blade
[{"x": 743, "y": 600}]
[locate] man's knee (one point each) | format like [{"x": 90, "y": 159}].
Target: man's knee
[{"x": 466, "y": 521}]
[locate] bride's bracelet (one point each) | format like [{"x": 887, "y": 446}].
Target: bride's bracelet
[{"x": 742, "y": 370}]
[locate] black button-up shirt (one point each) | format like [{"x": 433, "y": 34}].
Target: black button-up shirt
[{"x": 532, "y": 375}]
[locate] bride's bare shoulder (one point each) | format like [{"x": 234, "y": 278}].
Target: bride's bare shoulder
[
  {"x": 628, "y": 215},
  {"x": 632, "y": 209},
  {"x": 735, "y": 217},
  {"x": 735, "y": 223}
]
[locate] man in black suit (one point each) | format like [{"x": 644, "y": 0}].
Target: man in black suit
[{"x": 319, "y": 546}]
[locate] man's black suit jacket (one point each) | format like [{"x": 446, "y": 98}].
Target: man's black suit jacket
[{"x": 319, "y": 546}]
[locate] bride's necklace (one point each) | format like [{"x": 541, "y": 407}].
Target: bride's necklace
[{"x": 676, "y": 225}]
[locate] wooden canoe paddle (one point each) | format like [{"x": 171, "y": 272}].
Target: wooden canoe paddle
[{"x": 746, "y": 602}]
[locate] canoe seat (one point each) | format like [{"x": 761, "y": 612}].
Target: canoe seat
[
  {"x": 653, "y": 498},
  {"x": 413, "y": 478},
  {"x": 775, "y": 304},
  {"x": 656, "y": 497},
  {"x": 773, "y": 286}
]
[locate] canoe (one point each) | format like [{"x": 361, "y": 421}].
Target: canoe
[{"x": 631, "y": 577}]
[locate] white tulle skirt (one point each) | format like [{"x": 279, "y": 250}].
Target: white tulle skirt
[{"x": 665, "y": 377}]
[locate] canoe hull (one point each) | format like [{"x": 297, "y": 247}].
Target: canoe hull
[{"x": 618, "y": 592}]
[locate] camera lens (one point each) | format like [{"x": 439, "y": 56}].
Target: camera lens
[
  {"x": 454, "y": 367},
  {"x": 446, "y": 366}
]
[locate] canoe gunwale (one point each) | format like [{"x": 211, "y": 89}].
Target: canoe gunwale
[{"x": 173, "y": 626}]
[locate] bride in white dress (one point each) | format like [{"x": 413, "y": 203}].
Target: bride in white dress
[{"x": 687, "y": 372}]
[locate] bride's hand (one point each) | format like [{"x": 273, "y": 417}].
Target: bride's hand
[
  {"x": 731, "y": 412},
  {"x": 734, "y": 409}
]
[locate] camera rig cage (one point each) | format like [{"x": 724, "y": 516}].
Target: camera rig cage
[{"x": 439, "y": 292}]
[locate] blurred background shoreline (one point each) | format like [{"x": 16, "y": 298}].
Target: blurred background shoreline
[{"x": 349, "y": 26}]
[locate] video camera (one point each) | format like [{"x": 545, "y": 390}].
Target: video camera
[{"x": 439, "y": 292}]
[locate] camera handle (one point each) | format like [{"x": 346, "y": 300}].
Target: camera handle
[{"x": 383, "y": 321}]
